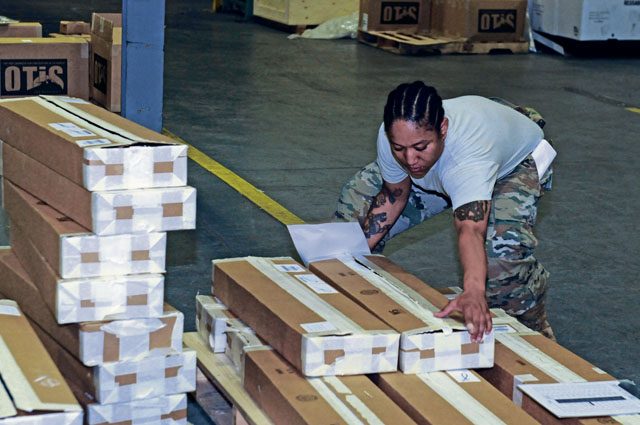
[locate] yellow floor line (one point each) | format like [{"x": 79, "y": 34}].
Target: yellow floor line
[
  {"x": 636, "y": 110},
  {"x": 245, "y": 188}
]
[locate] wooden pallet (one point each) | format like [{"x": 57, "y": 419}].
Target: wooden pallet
[
  {"x": 416, "y": 44},
  {"x": 223, "y": 375}
]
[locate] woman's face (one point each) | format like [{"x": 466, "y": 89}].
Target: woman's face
[{"x": 416, "y": 148}]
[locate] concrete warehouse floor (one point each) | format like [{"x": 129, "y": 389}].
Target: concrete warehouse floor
[{"x": 297, "y": 118}]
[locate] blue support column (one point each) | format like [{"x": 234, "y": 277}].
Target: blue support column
[{"x": 143, "y": 61}]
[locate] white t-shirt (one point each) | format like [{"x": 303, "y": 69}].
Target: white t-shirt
[{"x": 485, "y": 141}]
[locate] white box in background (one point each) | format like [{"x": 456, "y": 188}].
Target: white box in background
[{"x": 170, "y": 409}]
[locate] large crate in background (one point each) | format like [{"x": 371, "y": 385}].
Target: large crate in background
[{"x": 303, "y": 12}]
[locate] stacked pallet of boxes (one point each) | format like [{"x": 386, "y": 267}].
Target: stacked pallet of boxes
[
  {"x": 90, "y": 196},
  {"x": 330, "y": 356}
]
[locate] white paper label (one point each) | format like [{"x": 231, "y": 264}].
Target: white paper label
[
  {"x": 71, "y": 129},
  {"x": 318, "y": 327},
  {"x": 93, "y": 142},
  {"x": 9, "y": 310},
  {"x": 72, "y": 100},
  {"x": 463, "y": 375},
  {"x": 503, "y": 329},
  {"x": 316, "y": 284},
  {"x": 289, "y": 268},
  {"x": 599, "y": 371}
]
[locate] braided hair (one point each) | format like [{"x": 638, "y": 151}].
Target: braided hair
[{"x": 415, "y": 102}]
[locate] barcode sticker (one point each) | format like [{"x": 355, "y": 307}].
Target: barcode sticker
[
  {"x": 316, "y": 284},
  {"x": 93, "y": 142},
  {"x": 289, "y": 268},
  {"x": 318, "y": 327},
  {"x": 503, "y": 329},
  {"x": 71, "y": 129}
]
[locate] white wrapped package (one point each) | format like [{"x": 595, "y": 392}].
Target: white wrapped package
[
  {"x": 144, "y": 210},
  {"x": 109, "y": 298},
  {"x": 213, "y": 320},
  {"x": 60, "y": 418},
  {"x": 165, "y": 410},
  {"x": 145, "y": 378},
  {"x": 131, "y": 339},
  {"x": 135, "y": 167}
]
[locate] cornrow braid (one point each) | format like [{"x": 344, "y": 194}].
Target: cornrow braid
[{"x": 415, "y": 102}]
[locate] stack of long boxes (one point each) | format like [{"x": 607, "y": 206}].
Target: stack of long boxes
[
  {"x": 90, "y": 196},
  {"x": 303, "y": 345}
]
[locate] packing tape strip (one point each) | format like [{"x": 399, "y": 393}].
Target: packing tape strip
[
  {"x": 537, "y": 358},
  {"x": 305, "y": 295},
  {"x": 409, "y": 299},
  {"x": 327, "y": 388},
  {"x": 628, "y": 419},
  {"x": 453, "y": 393}
]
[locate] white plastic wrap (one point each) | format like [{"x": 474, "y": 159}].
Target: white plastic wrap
[
  {"x": 165, "y": 410},
  {"x": 61, "y": 418}
]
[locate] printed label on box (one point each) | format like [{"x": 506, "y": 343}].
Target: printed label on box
[
  {"x": 399, "y": 12},
  {"x": 289, "y": 268},
  {"x": 316, "y": 284},
  {"x": 318, "y": 327},
  {"x": 71, "y": 129},
  {"x": 28, "y": 77},
  {"x": 497, "y": 20},
  {"x": 503, "y": 329},
  {"x": 92, "y": 142}
]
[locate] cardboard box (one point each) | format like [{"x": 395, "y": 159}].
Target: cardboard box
[
  {"x": 587, "y": 20},
  {"x": 34, "y": 390},
  {"x": 125, "y": 381},
  {"x": 455, "y": 397},
  {"x": 106, "y": 60},
  {"x": 480, "y": 20},
  {"x": 105, "y": 212},
  {"x": 35, "y": 66},
  {"x": 21, "y": 29},
  {"x": 213, "y": 320},
  {"x": 410, "y": 16},
  {"x": 90, "y": 299},
  {"x": 93, "y": 343},
  {"x": 533, "y": 358},
  {"x": 407, "y": 304},
  {"x": 74, "y": 27},
  {"x": 303, "y": 12},
  {"x": 86, "y": 37},
  {"x": 321, "y": 332},
  {"x": 92, "y": 147},
  {"x": 288, "y": 398},
  {"x": 72, "y": 251},
  {"x": 171, "y": 409}
]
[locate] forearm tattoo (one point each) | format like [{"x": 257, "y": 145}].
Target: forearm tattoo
[
  {"x": 373, "y": 223},
  {"x": 384, "y": 196},
  {"x": 476, "y": 211}
]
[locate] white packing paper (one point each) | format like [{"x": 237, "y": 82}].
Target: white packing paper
[{"x": 315, "y": 242}]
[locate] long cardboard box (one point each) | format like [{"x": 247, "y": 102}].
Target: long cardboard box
[
  {"x": 407, "y": 304},
  {"x": 90, "y": 299},
  {"x": 21, "y": 29},
  {"x": 289, "y": 398},
  {"x": 72, "y": 251},
  {"x": 320, "y": 331},
  {"x": 121, "y": 382},
  {"x": 32, "y": 389},
  {"x": 532, "y": 358},
  {"x": 456, "y": 397},
  {"x": 93, "y": 343},
  {"x": 105, "y": 212},
  {"x": 106, "y": 59},
  {"x": 51, "y": 66},
  {"x": 90, "y": 146},
  {"x": 169, "y": 410},
  {"x": 74, "y": 27}
]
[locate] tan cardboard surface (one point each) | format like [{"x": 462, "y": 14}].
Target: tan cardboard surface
[
  {"x": 289, "y": 398},
  {"x": 106, "y": 81},
  {"x": 65, "y": 62},
  {"x": 31, "y": 376},
  {"x": 74, "y": 27},
  {"x": 21, "y": 29},
  {"x": 428, "y": 405},
  {"x": 480, "y": 20},
  {"x": 107, "y": 26},
  {"x": 277, "y": 316},
  {"x": 409, "y": 16}
]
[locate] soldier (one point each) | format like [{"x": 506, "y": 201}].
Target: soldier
[{"x": 476, "y": 156}]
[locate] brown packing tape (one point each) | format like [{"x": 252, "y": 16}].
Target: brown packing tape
[
  {"x": 124, "y": 213},
  {"x": 470, "y": 348},
  {"x": 176, "y": 415},
  {"x": 172, "y": 209},
  {"x": 163, "y": 167},
  {"x": 93, "y": 162},
  {"x": 424, "y": 354},
  {"x": 111, "y": 349},
  {"x": 114, "y": 169},
  {"x": 127, "y": 379},
  {"x": 90, "y": 257},
  {"x": 87, "y": 304},
  {"x": 330, "y": 356},
  {"x": 141, "y": 255},
  {"x": 129, "y": 422},
  {"x": 140, "y": 299},
  {"x": 172, "y": 372},
  {"x": 378, "y": 350},
  {"x": 162, "y": 337}
]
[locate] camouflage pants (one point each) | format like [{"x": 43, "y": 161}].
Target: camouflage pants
[{"x": 516, "y": 281}]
